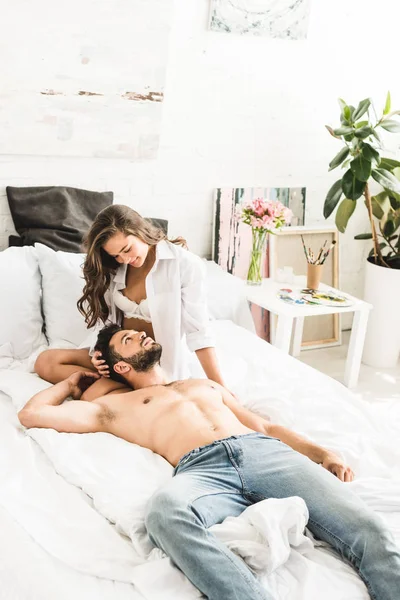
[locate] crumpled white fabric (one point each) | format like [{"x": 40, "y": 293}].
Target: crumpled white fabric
[{"x": 264, "y": 534}]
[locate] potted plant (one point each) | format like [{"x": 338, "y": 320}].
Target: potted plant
[{"x": 363, "y": 159}]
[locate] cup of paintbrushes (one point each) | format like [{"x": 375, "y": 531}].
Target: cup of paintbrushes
[
  {"x": 314, "y": 275},
  {"x": 315, "y": 263}
]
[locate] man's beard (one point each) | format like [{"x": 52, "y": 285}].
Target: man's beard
[{"x": 145, "y": 359}]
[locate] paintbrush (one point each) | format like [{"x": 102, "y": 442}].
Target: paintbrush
[
  {"x": 304, "y": 248},
  {"x": 320, "y": 253},
  {"x": 327, "y": 252}
]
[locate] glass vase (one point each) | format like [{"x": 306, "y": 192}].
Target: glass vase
[{"x": 255, "y": 272}]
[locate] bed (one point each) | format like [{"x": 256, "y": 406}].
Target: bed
[{"x": 72, "y": 506}]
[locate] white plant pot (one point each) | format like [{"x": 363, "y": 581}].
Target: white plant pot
[{"x": 382, "y": 342}]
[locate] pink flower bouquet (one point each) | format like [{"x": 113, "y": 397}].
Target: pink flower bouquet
[{"x": 264, "y": 216}]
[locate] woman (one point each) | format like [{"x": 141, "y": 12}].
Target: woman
[{"x": 137, "y": 278}]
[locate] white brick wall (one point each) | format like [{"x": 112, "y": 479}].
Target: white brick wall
[{"x": 244, "y": 111}]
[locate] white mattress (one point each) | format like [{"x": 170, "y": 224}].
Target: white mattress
[{"x": 269, "y": 382}]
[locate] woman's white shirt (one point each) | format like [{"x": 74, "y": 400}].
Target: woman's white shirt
[{"x": 177, "y": 302}]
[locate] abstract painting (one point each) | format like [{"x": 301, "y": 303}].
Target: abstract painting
[
  {"x": 232, "y": 239},
  {"x": 85, "y": 78},
  {"x": 284, "y": 19}
]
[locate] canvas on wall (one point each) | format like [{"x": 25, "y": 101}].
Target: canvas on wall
[
  {"x": 85, "y": 79},
  {"x": 232, "y": 239},
  {"x": 284, "y": 19}
]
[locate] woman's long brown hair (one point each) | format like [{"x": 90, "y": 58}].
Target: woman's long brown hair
[{"x": 100, "y": 266}]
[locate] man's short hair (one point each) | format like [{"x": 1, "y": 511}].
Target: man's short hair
[{"x": 108, "y": 352}]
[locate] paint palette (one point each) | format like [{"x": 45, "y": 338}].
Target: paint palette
[
  {"x": 306, "y": 296},
  {"x": 291, "y": 297},
  {"x": 328, "y": 298}
]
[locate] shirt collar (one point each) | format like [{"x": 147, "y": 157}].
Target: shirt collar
[
  {"x": 163, "y": 251},
  {"x": 120, "y": 274}
]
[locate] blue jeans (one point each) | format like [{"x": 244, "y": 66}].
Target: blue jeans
[{"x": 225, "y": 477}]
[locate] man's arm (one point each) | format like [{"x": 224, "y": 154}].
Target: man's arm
[
  {"x": 103, "y": 387},
  {"x": 45, "y": 409},
  {"x": 328, "y": 459}
]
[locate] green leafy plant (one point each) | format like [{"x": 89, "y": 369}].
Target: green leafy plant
[{"x": 363, "y": 161}]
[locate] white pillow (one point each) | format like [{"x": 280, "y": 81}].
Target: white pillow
[
  {"x": 62, "y": 283},
  {"x": 226, "y": 297},
  {"x": 21, "y": 320}
]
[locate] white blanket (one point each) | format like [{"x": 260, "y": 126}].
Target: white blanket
[{"x": 118, "y": 478}]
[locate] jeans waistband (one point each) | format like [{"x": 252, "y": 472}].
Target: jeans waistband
[{"x": 200, "y": 449}]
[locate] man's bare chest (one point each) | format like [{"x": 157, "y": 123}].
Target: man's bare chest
[{"x": 158, "y": 402}]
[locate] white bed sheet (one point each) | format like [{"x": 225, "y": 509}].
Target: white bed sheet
[
  {"x": 273, "y": 384},
  {"x": 27, "y": 570}
]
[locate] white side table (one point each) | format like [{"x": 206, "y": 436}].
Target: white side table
[{"x": 292, "y": 316}]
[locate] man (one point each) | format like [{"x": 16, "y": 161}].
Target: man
[{"x": 225, "y": 459}]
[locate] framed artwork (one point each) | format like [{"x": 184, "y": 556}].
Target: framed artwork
[
  {"x": 96, "y": 92},
  {"x": 232, "y": 240},
  {"x": 282, "y": 19},
  {"x": 286, "y": 249}
]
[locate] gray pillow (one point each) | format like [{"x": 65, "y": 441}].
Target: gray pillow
[
  {"x": 56, "y": 216},
  {"x": 161, "y": 223}
]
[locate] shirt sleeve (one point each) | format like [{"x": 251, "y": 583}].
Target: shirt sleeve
[{"x": 195, "y": 319}]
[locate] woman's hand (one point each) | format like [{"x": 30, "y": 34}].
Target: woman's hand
[{"x": 100, "y": 364}]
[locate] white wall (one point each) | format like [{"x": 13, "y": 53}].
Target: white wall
[{"x": 245, "y": 111}]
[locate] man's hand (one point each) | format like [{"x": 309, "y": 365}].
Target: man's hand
[
  {"x": 333, "y": 463},
  {"x": 80, "y": 381}
]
